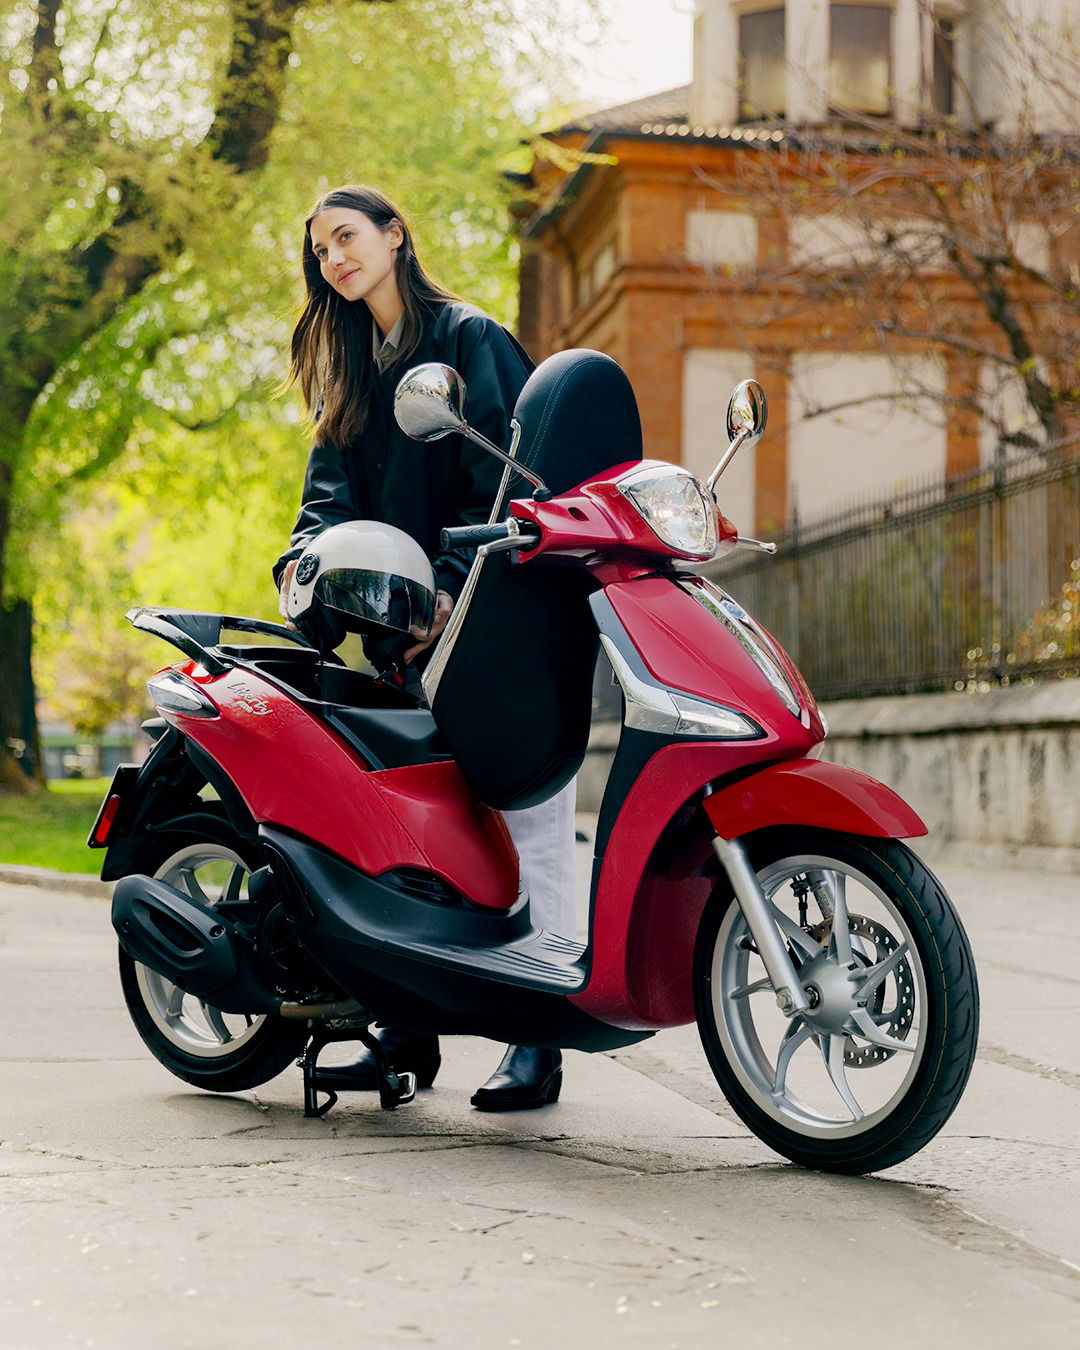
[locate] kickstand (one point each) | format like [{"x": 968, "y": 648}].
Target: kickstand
[{"x": 395, "y": 1089}]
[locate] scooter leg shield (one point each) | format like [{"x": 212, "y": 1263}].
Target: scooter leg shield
[{"x": 200, "y": 951}]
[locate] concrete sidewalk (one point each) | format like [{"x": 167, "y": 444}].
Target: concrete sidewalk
[{"x": 636, "y": 1213}]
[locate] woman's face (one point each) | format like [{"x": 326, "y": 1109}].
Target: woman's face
[{"x": 355, "y": 255}]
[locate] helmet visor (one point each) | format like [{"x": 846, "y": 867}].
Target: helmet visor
[{"x": 374, "y": 599}]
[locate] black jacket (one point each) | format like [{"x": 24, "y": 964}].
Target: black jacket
[{"x": 421, "y": 487}]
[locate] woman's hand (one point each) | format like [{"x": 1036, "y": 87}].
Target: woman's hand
[
  {"x": 444, "y": 603},
  {"x": 283, "y": 593}
]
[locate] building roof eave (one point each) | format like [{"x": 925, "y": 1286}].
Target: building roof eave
[
  {"x": 570, "y": 186},
  {"x": 595, "y": 144}
]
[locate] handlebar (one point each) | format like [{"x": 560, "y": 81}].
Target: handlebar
[{"x": 518, "y": 533}]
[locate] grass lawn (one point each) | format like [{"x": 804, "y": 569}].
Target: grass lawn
[{"x": 49, "y": 829}]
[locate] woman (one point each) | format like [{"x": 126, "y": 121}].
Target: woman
[{"x": 372, "y": 312}]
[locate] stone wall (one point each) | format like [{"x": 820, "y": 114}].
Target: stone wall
[
  {"x": 995, "y": 775},
  {"x": 997, "y": 772}
]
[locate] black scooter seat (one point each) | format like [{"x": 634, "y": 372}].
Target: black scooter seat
[{"x": 391, "y": 738}]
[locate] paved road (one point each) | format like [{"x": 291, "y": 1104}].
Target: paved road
[{"x": 638, "y": 1212}]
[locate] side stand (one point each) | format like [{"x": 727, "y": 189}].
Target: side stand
[{"x": 395, "y": 1089}]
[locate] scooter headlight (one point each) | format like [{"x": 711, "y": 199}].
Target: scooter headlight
[{"x": 676, "y": 507}]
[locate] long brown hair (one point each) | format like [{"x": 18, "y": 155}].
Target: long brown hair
[{"x": 332, "y": 359}]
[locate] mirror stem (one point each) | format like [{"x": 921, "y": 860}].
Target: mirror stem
[
  {"x": 725, "y": 459},
  {"x": 542, "y": 493}
]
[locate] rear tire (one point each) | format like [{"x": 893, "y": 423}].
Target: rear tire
[
  {"x": 871, "y": 1073},
  {"x": 222, "y": 1052}
]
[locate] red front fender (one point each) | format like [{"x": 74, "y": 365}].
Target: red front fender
[{"x": 816, "y": 793}]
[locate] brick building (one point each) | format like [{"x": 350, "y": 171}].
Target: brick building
[{"x": 647, "y": 232}]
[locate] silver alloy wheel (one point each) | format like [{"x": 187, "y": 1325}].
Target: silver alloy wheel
[
  {"x": 208, "y": 873},
  {"x": 857, "y": 955}
]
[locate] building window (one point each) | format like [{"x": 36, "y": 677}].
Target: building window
[
  {"x": 761, "y": 64},
  {"x": 593, "y": 276},
  {"x": 943, "y": 68},
  {"x": 860, "y": 57},
  {"x": 721, "y": 239}
]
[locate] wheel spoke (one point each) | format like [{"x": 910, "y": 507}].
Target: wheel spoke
[
  {"x": 799, "y": 939},
  {"x": 833, "y": 1055},
  {"x": 835, "y": 884},
  {"x": 193, "y": 888},
  {"x": 745, "y": 990},
  {"x": 216, "y": 1022},
  {"x": 797, "y": 1033},
  {"x": 174, "y": 1004},
  {"x": 869, "y": 1030},
  {"x": 235, "y": 883},
  {"x": 876, "y": 974}
]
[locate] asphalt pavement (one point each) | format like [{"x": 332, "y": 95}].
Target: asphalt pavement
[{"x": 138, "y": 1212}]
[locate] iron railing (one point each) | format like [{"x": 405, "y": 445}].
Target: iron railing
[{"x": 955, "y": 584}]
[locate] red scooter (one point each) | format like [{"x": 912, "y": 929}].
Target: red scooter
[{"x": 309, "y": 850}]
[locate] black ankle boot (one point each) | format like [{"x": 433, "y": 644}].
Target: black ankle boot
[
  {"x": 525, "y": 1079},
  {"x": 408, "y": 1052}
]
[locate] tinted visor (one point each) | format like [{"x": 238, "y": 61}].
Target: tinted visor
[{"x": 367, "y": 600}]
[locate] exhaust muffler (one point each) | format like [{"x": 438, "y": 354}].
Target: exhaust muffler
[{"x": 202, "y": 952}]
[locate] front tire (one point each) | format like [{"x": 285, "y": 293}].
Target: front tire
[
  {"x": 873, "y": 1070},
  {"x": 222, "y": 1052}
]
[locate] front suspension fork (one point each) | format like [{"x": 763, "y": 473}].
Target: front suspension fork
[{"x": 791, "y": 998}]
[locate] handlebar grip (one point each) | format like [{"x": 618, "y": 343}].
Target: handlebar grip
[{"x": 472, "y": 536}]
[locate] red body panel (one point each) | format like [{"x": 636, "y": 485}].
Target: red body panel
[
  {"x": 294, "y": 771},
  {"x": 455, "y": 832},
  {"x": 812, "y": 792},
  {"x": 595, "y": 518},
  {"x": 625, "y": 967},
  {"x": 645, "y": 919},
  {"x": 686, "y": 647}
]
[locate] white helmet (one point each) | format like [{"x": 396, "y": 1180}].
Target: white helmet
[{"x": 364, "y": 577}]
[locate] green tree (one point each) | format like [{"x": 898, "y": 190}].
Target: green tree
[{"x": 154, "y": 162}]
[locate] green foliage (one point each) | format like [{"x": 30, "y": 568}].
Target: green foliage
[{"x": 147, "y": 288}]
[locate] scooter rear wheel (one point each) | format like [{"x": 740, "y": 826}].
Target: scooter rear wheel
[
  {"x": 873, "y": 1070},
  {"x": 222, "y": 1052}
]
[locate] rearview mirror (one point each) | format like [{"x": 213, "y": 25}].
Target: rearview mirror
[
  {"x": 747, "y": 412},
  {"x": 430, "y": 402}
]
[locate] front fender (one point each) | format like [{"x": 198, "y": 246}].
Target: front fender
[{"x": 812, "y": 792}]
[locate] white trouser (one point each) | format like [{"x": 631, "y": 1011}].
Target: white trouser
[{"x": 544, "y": 838}]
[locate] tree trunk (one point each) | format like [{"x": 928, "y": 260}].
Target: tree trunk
[
  {"x": 96, "y": 281},
  {"x": 21, "y": 764}
]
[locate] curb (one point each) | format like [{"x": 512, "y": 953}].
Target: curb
[
  {"x": 952, "y": 853},
  {"x": 998, "y": 857},
  {"x": 71, "y": 883}
]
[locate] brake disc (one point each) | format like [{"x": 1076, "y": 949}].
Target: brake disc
[{"x": 897, "y": 1021}]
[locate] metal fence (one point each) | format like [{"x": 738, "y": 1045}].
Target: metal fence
[{"x": 955, "y": 584}]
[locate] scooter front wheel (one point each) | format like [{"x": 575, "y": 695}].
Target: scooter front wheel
[{"x": 873, "y": 1069}]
